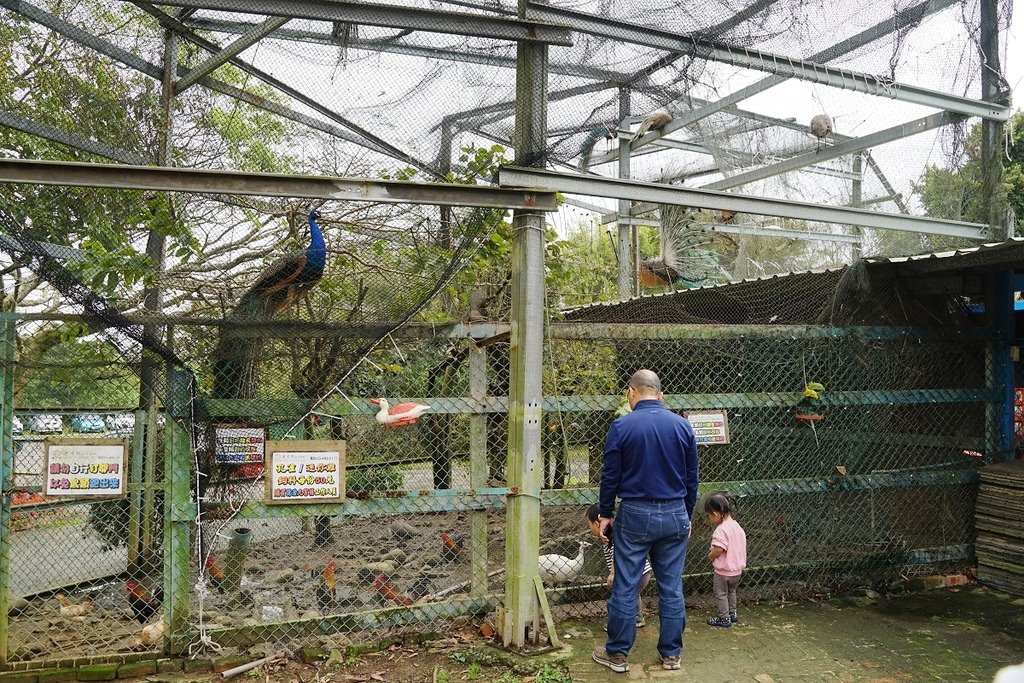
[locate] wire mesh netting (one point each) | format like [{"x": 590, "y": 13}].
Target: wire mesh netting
[{"x": 154, "y": 319}]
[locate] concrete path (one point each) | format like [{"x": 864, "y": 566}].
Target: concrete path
[{"x": 957, "y": 635}]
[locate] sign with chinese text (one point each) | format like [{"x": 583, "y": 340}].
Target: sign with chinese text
[
  {"x": 305, "y": 471},
  {"x": 239, "y": 445},
  {"x": 87, "y": 468},
  {"x": 710, "y": 426}
]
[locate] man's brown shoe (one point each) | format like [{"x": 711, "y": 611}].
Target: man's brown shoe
[{"x": 616, "y": 663}]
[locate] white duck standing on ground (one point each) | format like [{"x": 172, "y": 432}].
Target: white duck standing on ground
[
  {"x": 559, "y": 568},
  {"x": 401, "y": 414}
]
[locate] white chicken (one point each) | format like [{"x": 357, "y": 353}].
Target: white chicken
[
  {"x": 73, "y": 610},
  {"x": 556, "y": 568},
  {"x": 151, "y": 636}
]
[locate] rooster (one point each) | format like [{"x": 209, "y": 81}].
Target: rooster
[
  {"x": 143, "y": 606},
  {"x": 450, "y": 549},
  {"x": 388, "y": 592},
  {"x": 215, "y": 572},
  {"x": 327, "y": 588},
  {"x": 73, "y": 610}
]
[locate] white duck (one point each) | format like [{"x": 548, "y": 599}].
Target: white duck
[
  {"x": 559, "y": 568},
  {"x": 401, "y": 414}
]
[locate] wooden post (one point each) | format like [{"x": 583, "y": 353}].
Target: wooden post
[{"x": 522, "y": 538}]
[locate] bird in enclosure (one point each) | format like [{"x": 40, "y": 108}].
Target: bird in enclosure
[
  {"x": 280, "y": 285},
  {"x": 143, "y": 605},
  {"x": 151, "y": 636},
  {"x": 556, "y": 568},
  {"x": 685, "y": 257},
  {"x": 327, "y": 587},
  {"x": 450, "y": 547},
  {"x": 215, "y": 573},
  {"x": 608, "y": 131},
  {"x": 383, "y": 586},
  {"x": 656, "y": 120},
  {"x": 70, "y": 609},
  {"x": 728, "y": 216},
  {"x": 398, "y": 415},
  {"x": 821, "y": 126}
]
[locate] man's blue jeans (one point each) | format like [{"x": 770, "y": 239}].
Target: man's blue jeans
[{"x": 661, "y": 530}]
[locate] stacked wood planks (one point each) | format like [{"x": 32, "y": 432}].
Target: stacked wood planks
[{"x": 999, "y": 519}]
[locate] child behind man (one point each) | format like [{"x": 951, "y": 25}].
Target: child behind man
[
  {"x": 595, "y": 530},
  {"x": 728, "y": 555}
]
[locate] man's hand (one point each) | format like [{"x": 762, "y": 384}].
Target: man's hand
[
  {"x": 611, "y": 578},
  {"x": 605, "y": 523}
]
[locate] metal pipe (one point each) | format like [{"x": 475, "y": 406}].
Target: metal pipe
[
  {"x": 234, "y": 561},
  {"x": 246, "y": 667}
]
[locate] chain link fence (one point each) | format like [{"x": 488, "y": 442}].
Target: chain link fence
[{"x": 881, "y": 487}]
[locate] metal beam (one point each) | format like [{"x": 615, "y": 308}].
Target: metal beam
[
  {"x": 782, "y": 233},
  {"x": 780, "y": 65},
  {"x": 834, "y": 151},
  {"x": 393, "y": 46},
  {"x": 104, "y": 47},
  {"x": 247, "y": 39},
  {"x": 514, "y": 176},
  {"x": 367, "y": 139},
  {"x": 48, "y": 132},
  {"x": 415, "y": 19},
  {"x": 269, "y": 185}
]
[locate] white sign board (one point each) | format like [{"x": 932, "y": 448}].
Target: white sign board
[
  {"x": 710, "y": 426},
  {"x": 86, "y": 468},
  {"x": 305, "y": 472}
]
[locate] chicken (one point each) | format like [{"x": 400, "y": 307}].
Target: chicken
[
  {"x": 388, "y": 592},
  {"x": 143, "y": 606},
  {"x": 73, "y": 610},
  {"x": 556, "y": 568},
  {"x": 215, "y": 573},
  {"x": 151, "y": 636},
  {"x": 327, "y": 587},
  {"x": 450, "y": 548}
]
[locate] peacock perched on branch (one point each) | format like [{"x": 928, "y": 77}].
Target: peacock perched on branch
[
  {"x": 605, "y": 131},
  {"x": 279, "y": 286}
]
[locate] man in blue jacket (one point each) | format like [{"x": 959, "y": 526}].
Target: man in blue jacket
[{"x": 650, "y": 464}]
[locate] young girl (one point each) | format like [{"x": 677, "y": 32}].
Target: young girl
[
  {"x": 728, "y": 555},
  {"x": 595, "y": 530}
]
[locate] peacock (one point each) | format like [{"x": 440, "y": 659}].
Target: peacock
[
  {"x": 608, "y": 131},
  {"x": 686, "y": 258},
  {"x": 279, "y": 286}
]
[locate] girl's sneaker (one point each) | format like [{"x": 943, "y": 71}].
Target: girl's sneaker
[
  {"x": 733, "y": 618},
  {"x": 721, "y": 622},
  {"x": 640, "y": 621}
]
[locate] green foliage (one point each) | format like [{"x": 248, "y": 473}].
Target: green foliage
[
  {"x": 474, "y": 671},
  {"x": 109, "y": 520},
  {"x": 956, "y": 193},
  {"x": 383, "y": 478},
  {"x": 551, "y": 674}
]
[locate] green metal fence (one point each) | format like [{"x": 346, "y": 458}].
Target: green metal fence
[{"x": 881, "y": 487}]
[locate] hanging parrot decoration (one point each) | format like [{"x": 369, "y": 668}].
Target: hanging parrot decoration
[{"x": 809, "y": 407}]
